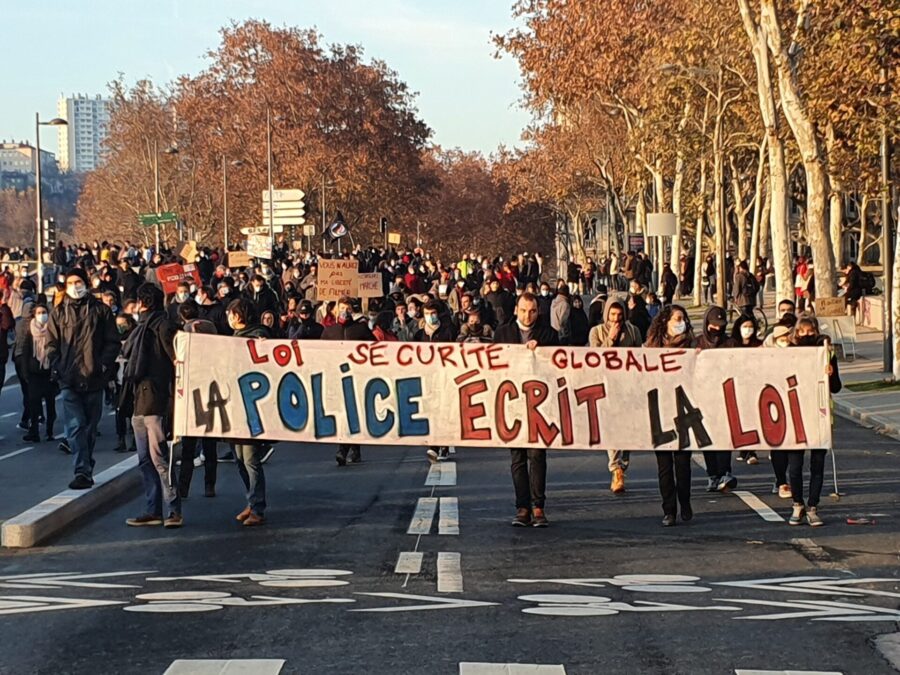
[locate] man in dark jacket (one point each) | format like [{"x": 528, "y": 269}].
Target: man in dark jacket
[
  {"x": 437, "y": 328},
  {"x": 351, "y": 326},
  {"x": 212, "y": 310},
  {"x": 126, "y": 280},
  {"x": 262, "y": 295},
  {"x": 83, "y": 347},
  {"x": 249, "y": 455},
  {"x": 501, "y": 303},
  {"x": 529, "y": 466},
  {"x": 305, "y": 327},
  {"x": 745, "y": 289},
  {"x": 149, "y": 355}
]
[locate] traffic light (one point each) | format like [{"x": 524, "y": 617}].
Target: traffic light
[
  {"x": 384, "y": 225},
  {"x": 48, "y": 236}
]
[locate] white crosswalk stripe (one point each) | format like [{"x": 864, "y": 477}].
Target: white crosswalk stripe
[
  {"x": 225, "y": 667},
  {"x": 449, "y": 572},
  {"x": 448, "y": 522},
  {"x": 423, "y": 516}
]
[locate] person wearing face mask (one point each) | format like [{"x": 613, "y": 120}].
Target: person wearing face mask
[
  {"x": 806, "y": 334},
  {"x": 22, "y": 334},
  {"x": 475, "y": 329},
  {"x": 182, "y": 295},
  {"x": 127, "y": 280},
  {"x": 528, "y": 465},
  {"x": 437, "y": 328},
  {"x": 381, "y": 327},
  {"x": 718, "y": 462},
  {"x": 122, "y": 395},
  {"x": 671, "y": 329},
  {"x": 259, "y": 292},
  {"x": 743, "y": 335},
  {"x": 212, "y": 310},
  {"x": 404, "y": 326},
  {"x": 351, "y": 326},
  {"x": 501, "y": 302},
  {"x": 780, "y": 338},
  {"x": 615, "y": 331},
  {"x": 41, "y": 390},
  {"x": 82, "y": 349},
  {"x": 305, "y": 327}
]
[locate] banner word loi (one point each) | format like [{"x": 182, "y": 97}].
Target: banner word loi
[{"x": 501, "y": 395}]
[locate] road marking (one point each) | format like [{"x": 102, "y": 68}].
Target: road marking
[
  {"x": 433, "y": 603},
  {"x": 509, "y": 669},
  {"x": 448, "y": 522},
  {"x": 441, "y": 474},
  {"x": 22, "y": 604},
  {"x": 17, "y": 452},
  {"x": 787, "y": 672},
  {"x": 817, "y": 555},
  {"x": 423, "y": 516},
  {"x": 759, "y": 506},
  {"x": 225, "y": 667},
  {"x": 409, "y": 562},
  {"x": 449, "y": 573},
  {"x": 889, "y": 646},
  {"x": 12, "y": 414}
]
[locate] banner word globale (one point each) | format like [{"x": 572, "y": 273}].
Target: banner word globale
[{"x": 575, "y": 398}]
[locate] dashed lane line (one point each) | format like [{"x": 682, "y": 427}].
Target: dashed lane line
[
  {"x": 17, "y": 452},
  {"x": 423, "y": 516},
  {"x": 409, "y": 562},
  {"x": 448, "y": 522},
  {"x": 225, "y": 667},
  {"x": 441, "y": 474},
  {"x": 509, "y": 669},
  {"x": 758, "y": 505},
  {"x": 449, "y": 572}
]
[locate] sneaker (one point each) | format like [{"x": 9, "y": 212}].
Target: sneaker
[
  {"x": 355, "y": 457},
  {"x": 340, "y": 458},
  {"x": 243, "y": 515},
  {"x": 444, "y": 454},
  {"x": 538, "y": 518},
  {"x": 668, "y": 520},
  {"x": 24, "y": 426},
  {"x": 174, "y": 521},
  {"x": 64, "y": 448},
  {"x": 712, "y": 483},
  {"x": 812, "y": 517},
  {"x": 198, "y": 461},
  {"x": 522, "y": 519},
  {"x": 253, "y": 520},
  {"x": 740, "y": 457},
  {"x": 267, "y": 455},
  {"x": 753, "y": 460},
  {"x": 797, "y": 515},
  {"x": 81, "y": 482},
  {"x": 617, "y": 485},
  {"x": 784, "y": 492},
  {"x": 145, "y": 520},
  {"x": 32, "y": 438},
  {"x": 432, "y": 455},
  {"x": 727, "y": 482}
]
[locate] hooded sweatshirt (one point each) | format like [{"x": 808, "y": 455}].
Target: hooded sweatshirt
[
  {"x": 711, "y": 339},
  {"x": 600, "y": 335}
]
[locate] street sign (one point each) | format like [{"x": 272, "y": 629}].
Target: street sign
[
  {"x": 279, "y": 229},
  {"x": 394, "y": 238},
  {"x": 284, "y": 195},
  {"x": 151, "y": 219}
]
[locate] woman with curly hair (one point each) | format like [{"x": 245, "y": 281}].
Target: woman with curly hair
[{"x": 671, "y": 329}]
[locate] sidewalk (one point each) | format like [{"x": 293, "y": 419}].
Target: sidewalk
[{"x": 879, "y": 409}]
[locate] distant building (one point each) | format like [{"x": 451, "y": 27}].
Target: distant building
[
  {"x": 81, "y": 141},
  {"x": 18, "y": 165}
]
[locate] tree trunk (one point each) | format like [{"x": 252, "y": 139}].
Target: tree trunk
[
  {"x": 836, "y": 203},
  {"x": 764, "y": 225},
  {"x": 778, "y": 217},
  {"x": 895, "y": 305},
  {"x": 757, "y": 203},
  {"x": 699, "y": 260},
  {"x": 863, "y": 229},
  {"x": 811, "y": 151},
  {"x": 675, "y": 256},
  {"x": 740, "y": 215}
]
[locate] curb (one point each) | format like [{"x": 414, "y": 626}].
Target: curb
[
  {"x": 873, "y": 421},
  {"x": 53, "y": 515}
]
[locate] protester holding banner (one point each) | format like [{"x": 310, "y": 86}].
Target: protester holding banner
[
  {"x": 242, "y": 318},
  {"x": 743, "y": 335},
  {"x": 806, "y": 334},
  {"x": 671, "y": 329},
  {"x": 305, "y": 326},
  {"x": 529, "y": 466},
  {"x": 351, "y": 326}
]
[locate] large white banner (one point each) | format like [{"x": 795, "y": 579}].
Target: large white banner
[{"x": 571, "y": 398}]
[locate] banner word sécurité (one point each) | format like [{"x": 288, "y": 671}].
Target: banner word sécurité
[{"x": 500, "y": 395}]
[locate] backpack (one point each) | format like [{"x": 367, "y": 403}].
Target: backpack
[{"x": 867, "y": 281}]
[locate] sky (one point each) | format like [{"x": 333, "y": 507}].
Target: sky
[{"x": 441, "y": 48}]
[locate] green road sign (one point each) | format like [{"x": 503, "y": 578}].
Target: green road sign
[{"x": 150, "y": 219}]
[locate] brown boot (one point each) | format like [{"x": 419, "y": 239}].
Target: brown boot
[
  {"x": 617, "y": 485},
  {"x": 523, "y": 518},
  {"x": 253, "y": 520},
  {"x": 243, "y": 515}
]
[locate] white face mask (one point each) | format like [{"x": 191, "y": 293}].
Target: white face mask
[
  {"x": 747, "y": 332},
  {"x": 198, "y": 299},
  {"x": 544, "y": 292},
  {"x": 181, "y": 297},
  {"x": 42, "y": 318},
  {"x": 678, "y": 328},
  {"x": 77, "y": 291}
]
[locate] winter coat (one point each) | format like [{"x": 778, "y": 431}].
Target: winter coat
[
  {"x": 444, "y": 333},
  {"x": 486, "y": 334},
  {"x": 149, "y": 355},
  {"x": 84, "y": 344},
  {"x": 578, "y": 327},
  {"x": 559, "y": 317},
  {"x": 712, "y": 339},
  {"x": 509, "y": 334},
  {"x": 305, "y": 330},
  {"x": 357, "y": 329}
]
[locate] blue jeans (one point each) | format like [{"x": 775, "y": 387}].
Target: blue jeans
[
  {"x": 247, "y": 456},
  {"x": 155, "y": 462},
  {"x": 81, "y": 412}
]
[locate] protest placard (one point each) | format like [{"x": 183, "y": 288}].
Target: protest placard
[
  {"x": 169, "y": 276},
  {"x": 369, "y": 285},
  {"x": 337, "y": 278},
  {"x": 238, "y": 259},
  {"x": 259, "y": 246}
]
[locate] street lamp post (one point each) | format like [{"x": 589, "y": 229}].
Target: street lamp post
[
  {"x": 235, "y": 163},
  {"x": 38, "y": 212},
  {"x": 172, "y": 150}
]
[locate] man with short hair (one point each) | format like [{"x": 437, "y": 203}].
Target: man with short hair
[
  {"x": 83, "y": 347},
  {"x": 149, "y": 355},
  {"x": 529, "y": 465}
]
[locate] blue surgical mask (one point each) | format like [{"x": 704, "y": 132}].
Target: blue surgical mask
[{"x": 433, "y": 319}]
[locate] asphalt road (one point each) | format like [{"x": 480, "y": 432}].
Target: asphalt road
[{"x": 605, "y": 589}]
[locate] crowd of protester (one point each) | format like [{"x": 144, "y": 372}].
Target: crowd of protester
[{"x": 102, "y": 333}]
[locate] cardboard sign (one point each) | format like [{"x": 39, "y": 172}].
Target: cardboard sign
[
  {"x": 831, "y": 306},
  {"x": 238, "y": 259},
  {"x": 492, "y": 396},
  {"x": 337, "y": 278},
  {"x": 259, "y": 246},
  {"x": 393, "y": 238},
  {"x": 188, "y": 251},
  {"x": 370, "y": 285},
  {"x": 297, "y": 245},
  {"x": 169, "y": 276}
]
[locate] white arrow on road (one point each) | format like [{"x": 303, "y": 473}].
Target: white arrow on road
[
  {"x": 434, "y": 603},
  {"x": 72, "y": 579},
  {"x": 25, "y": 604}
]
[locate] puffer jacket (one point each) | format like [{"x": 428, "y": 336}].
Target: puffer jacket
[{"x": 83, "y": 344}]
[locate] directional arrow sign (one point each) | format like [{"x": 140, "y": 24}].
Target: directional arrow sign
[
  {"x": 284, "y": 195},
  {"x": 434, "y": 603}
]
